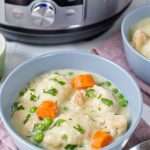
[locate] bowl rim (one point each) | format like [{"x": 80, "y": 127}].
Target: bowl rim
[
  {"x": 3, "y": 43},
  {"x": 117, "y": 142},
  {"x": 125, "y": 38}
]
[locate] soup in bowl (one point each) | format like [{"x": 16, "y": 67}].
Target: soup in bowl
[
  {"x": 79, "y": 104},
  {"x": 76, "y": 108}
]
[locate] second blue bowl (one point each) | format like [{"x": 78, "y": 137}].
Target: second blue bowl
[{"x": 138, "y": 63}]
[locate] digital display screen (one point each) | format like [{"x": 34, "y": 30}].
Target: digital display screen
[
  {"x": 68, "y": 2},
  {"x": 19, "y": 2},
  {"x": 61, "y": 3}
]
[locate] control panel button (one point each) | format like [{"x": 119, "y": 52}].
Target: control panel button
[
  {"x": 43, "y": 14},
  {"x": 65, "y": 3}
]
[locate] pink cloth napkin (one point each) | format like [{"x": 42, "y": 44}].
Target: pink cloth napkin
[
  {"x": 6, "y": 142},
  {"x": 112, "y": 49}
]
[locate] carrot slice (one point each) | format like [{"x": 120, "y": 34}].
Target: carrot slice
[
  {"x": 48, "y": 109},
  {"x": 100, "y": 139},
  {"x": 83, "y": 81}
]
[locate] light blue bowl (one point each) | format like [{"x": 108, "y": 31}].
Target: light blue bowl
[
  {"x": 139, "y": 64},
  {"x": 74, "y": 60}
]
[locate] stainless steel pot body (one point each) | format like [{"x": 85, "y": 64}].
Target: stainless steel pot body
[
  {"x": 58, "y": 14},
  {"x": 58, "y": 21}
]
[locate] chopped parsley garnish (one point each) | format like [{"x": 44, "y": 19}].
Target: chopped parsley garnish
[
  {"x": 58, "y": 122},
  {"x": 107, "y": 102},
  {"x": 33, "y": 90},
  {"x": 100, "y": 83},
  {"x": 61, "y": 82},
  {"x": 52, "y": 91},
  {"x": 27, "y": 118},
  {"x": 90, "y": 93},
  {"x": 23, "y": 92},
  {"x": 79, "y": 129},
  {"x": 17, "y": 106},
  {"x": 70, "y": 73},
  {"x": 99, "y": 96},
  {"x": 33, "y": 97},
  {"x": 71, "y": 147},
  {"x": 65, "y": 137},
  {"x": 64, "y": 109},
  {"x": 57, "y": 73}
]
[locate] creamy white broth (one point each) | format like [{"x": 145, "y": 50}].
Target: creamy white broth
[{"x": 79, "y": 118}]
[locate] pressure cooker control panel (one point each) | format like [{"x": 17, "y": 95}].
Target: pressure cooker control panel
[{"x": 45, "y": 14}]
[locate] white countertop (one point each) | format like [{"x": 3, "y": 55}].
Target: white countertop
[{"x": 17, "y": 53}]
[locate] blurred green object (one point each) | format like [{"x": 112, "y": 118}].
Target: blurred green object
[{"x": 2, "y": 54}]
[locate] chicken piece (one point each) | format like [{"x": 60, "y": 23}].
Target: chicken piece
[
  {"x": 139, "y": 39},
  {"x": 98, "y": 105},
  {"x": 79, "y": 98}
]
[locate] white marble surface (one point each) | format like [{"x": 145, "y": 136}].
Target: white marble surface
[{"x": 17, "y": 53}]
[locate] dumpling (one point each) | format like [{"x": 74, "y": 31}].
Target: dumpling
[
  {"x": 68, "y": 133},
  {"x": 98, "y": 105},
  {"x": 116, "y": 124},
  {"x": 52, "y": 87}
]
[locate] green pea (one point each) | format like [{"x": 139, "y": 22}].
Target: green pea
[
  {"x": 91, "y": 93},
  {"x": 115, "y": 91},
  {"x": 107, "y": 102},
  {"x": 121, "y": 96},
  {"x": 33, "y": 109},
  {"x": 38, "y": 137},
  {"x": 44, "y": 125},
  {"x": 123, "y": 102},
  {"x": 47, "y": 122},
  {"x": 108, "y": 83},
  {"x": 39, "y": 127}
]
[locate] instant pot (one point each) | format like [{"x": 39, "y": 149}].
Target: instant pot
[{"x": 58, "y": 21}]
